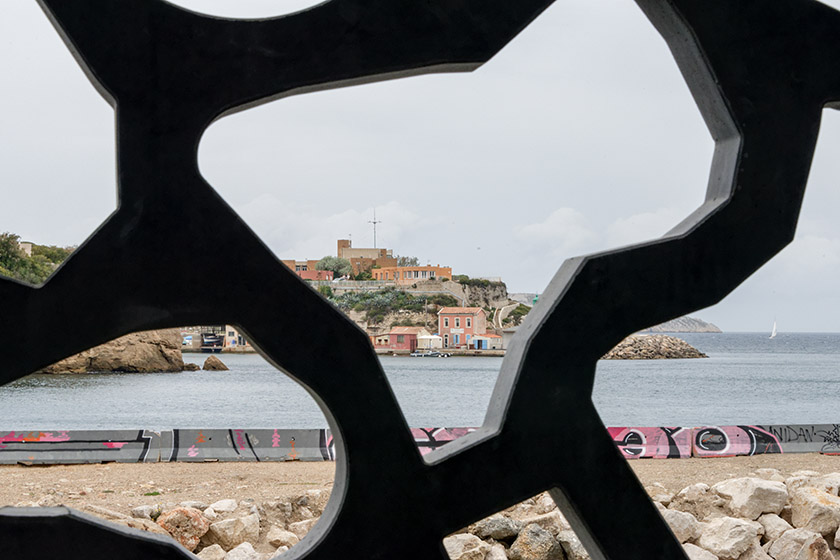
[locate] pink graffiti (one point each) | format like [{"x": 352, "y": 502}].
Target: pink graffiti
[
  {"x": 40, "y": 437},
  {"x": 114, "y": 444},
  {"x": 429, "y": 439},
  {"x": 192, "y": 451},
  {"x": 240, "y": 438},
  {"x": 275, "y": 439},
  {"x": 723, "y": 441},
  {"x": 656, "y": 442}
]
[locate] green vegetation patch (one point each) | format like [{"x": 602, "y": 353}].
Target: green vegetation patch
[
  {"x": 377, "y": 304},
  {"x": 465, "y": 280},
  {"x": 14, "y": 263},
  {"x": 518, "y": 314}
]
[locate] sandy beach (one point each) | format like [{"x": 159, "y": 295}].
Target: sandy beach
[{"x": 120, "y": 487}]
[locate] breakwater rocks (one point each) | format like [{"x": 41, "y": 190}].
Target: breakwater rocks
[
  {"x": 143, "y": 352},
  {"x": 653, "y": 347},
  {"x": 762, "y": 517}
]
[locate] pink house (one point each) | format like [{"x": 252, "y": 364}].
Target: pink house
[
  {"x": 405, "y": 338},
  {"x": 457, "y": 325}
]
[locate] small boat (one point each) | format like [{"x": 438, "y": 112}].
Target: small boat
[
  {"x": 773, "y": 332},
  {"x": 429, "y": 354},
  {"x": 211, "y": 343}
]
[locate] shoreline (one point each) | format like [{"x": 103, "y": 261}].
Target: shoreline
[{"x": 126, "y": 484}]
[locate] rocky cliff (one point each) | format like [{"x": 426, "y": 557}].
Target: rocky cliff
[
  {"x": 684, "y": 324},
  {"x": 143, "y": 352}
]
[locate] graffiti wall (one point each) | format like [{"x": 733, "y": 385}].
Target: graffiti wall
[
  {"x": 429, "y": 439},
  {"x": 195, "y": 445},
  {"x": 68, "y": 447},
  {"x": 657, "y": 443},
  {"x": 717, "y": 441},
  {"x": 249, "y": 445}
]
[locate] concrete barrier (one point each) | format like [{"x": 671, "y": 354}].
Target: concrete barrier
[
  {"x": 657, "y": 443},
  {"x": 727, "y": 441},
  {"x": 292, "y": 445},
  {"x": 209, "y": 445},
  {"x": 197, "y": 445},
  {"x": 429, "y": 439},
  {"x": 79, "y": 446}
]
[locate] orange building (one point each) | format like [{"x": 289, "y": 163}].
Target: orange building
[
  {"x": 362, "y": 259},
  {"x": 300, "y": 266},
  {"x": 403, "y": 275}
]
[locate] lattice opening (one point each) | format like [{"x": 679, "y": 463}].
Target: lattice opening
[
  {"x": 234, "y": 458},
  {"x": 460, "y": 174},
  {"x": 534, "y": 528},
  {"x": 57, "y": 162},
  {"x": 246, "y": 9}
]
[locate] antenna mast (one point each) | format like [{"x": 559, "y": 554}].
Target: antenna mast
[{"x": 374, "y": 222}]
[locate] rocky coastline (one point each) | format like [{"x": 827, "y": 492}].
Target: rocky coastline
[
  {"x": 143, "y": 352},
  {"x": 684, "y": 325}
]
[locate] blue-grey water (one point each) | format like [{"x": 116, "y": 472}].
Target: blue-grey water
[{"x": 747, "y": 378}]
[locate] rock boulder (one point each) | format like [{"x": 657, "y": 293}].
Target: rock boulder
[
  {"x": 143, "y": 352},
  {"x": 186, "y": 525},
  {"x": 212, "y": 363}
]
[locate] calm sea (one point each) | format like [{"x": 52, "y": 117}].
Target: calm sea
[{"x": 748, "y": 379}]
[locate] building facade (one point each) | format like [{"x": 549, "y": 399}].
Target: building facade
[
  {"x": 401, "y": 338},
  {"x": 362, "y": 259},
  {"x": 404, "y": 275},
  {"x": 318, "y": 275},
  {"x": 457, "y": 325}
]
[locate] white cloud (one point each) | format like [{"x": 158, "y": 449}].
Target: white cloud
[
  {"x": 562, "y": 233},
  {"x": 302, "y": 231},
  {"x": 642, "y": 227}
]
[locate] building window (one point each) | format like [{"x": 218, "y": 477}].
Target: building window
[
  {"x": 417, "y": 274},
  {"x": 424, "y": 274},
  {"x": 457, "y": 322},
  {"x": 446, "y": 322},
  {"x": 400, "y": 338},
  {"x": 431, "y": 274},
  {"x": 457, "y": 339},
  {"x": 469, "y": 322}
]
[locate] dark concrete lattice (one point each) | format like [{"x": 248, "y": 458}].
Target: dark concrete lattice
[{"x": 760, "y": 71}]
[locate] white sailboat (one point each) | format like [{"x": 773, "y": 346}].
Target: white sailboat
[{"x": 773, "y": 332}]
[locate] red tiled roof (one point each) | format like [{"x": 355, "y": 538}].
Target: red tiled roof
[
  {"x": 464, "y": 310},
  {"x": 406, "y": 330}
]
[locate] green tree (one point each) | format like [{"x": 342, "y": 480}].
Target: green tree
[
  {"x": 14, "y": 263},
  {"x": 325, "y": 291},
  {"x": 53, "y": 254},
  {"x": 338, "y": 266},
  {"x": 364, "y": 275},
  {"x": 408, "y": 261},
  {"x": 10, "y": 253}
]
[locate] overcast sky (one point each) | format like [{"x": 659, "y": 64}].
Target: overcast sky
[{"x": 579, "y": 136}]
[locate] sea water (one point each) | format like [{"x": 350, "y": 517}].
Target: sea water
[{"x": 747, "y": 379}]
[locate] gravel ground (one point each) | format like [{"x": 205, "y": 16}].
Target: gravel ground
[{"x": 120, "y": 487}]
